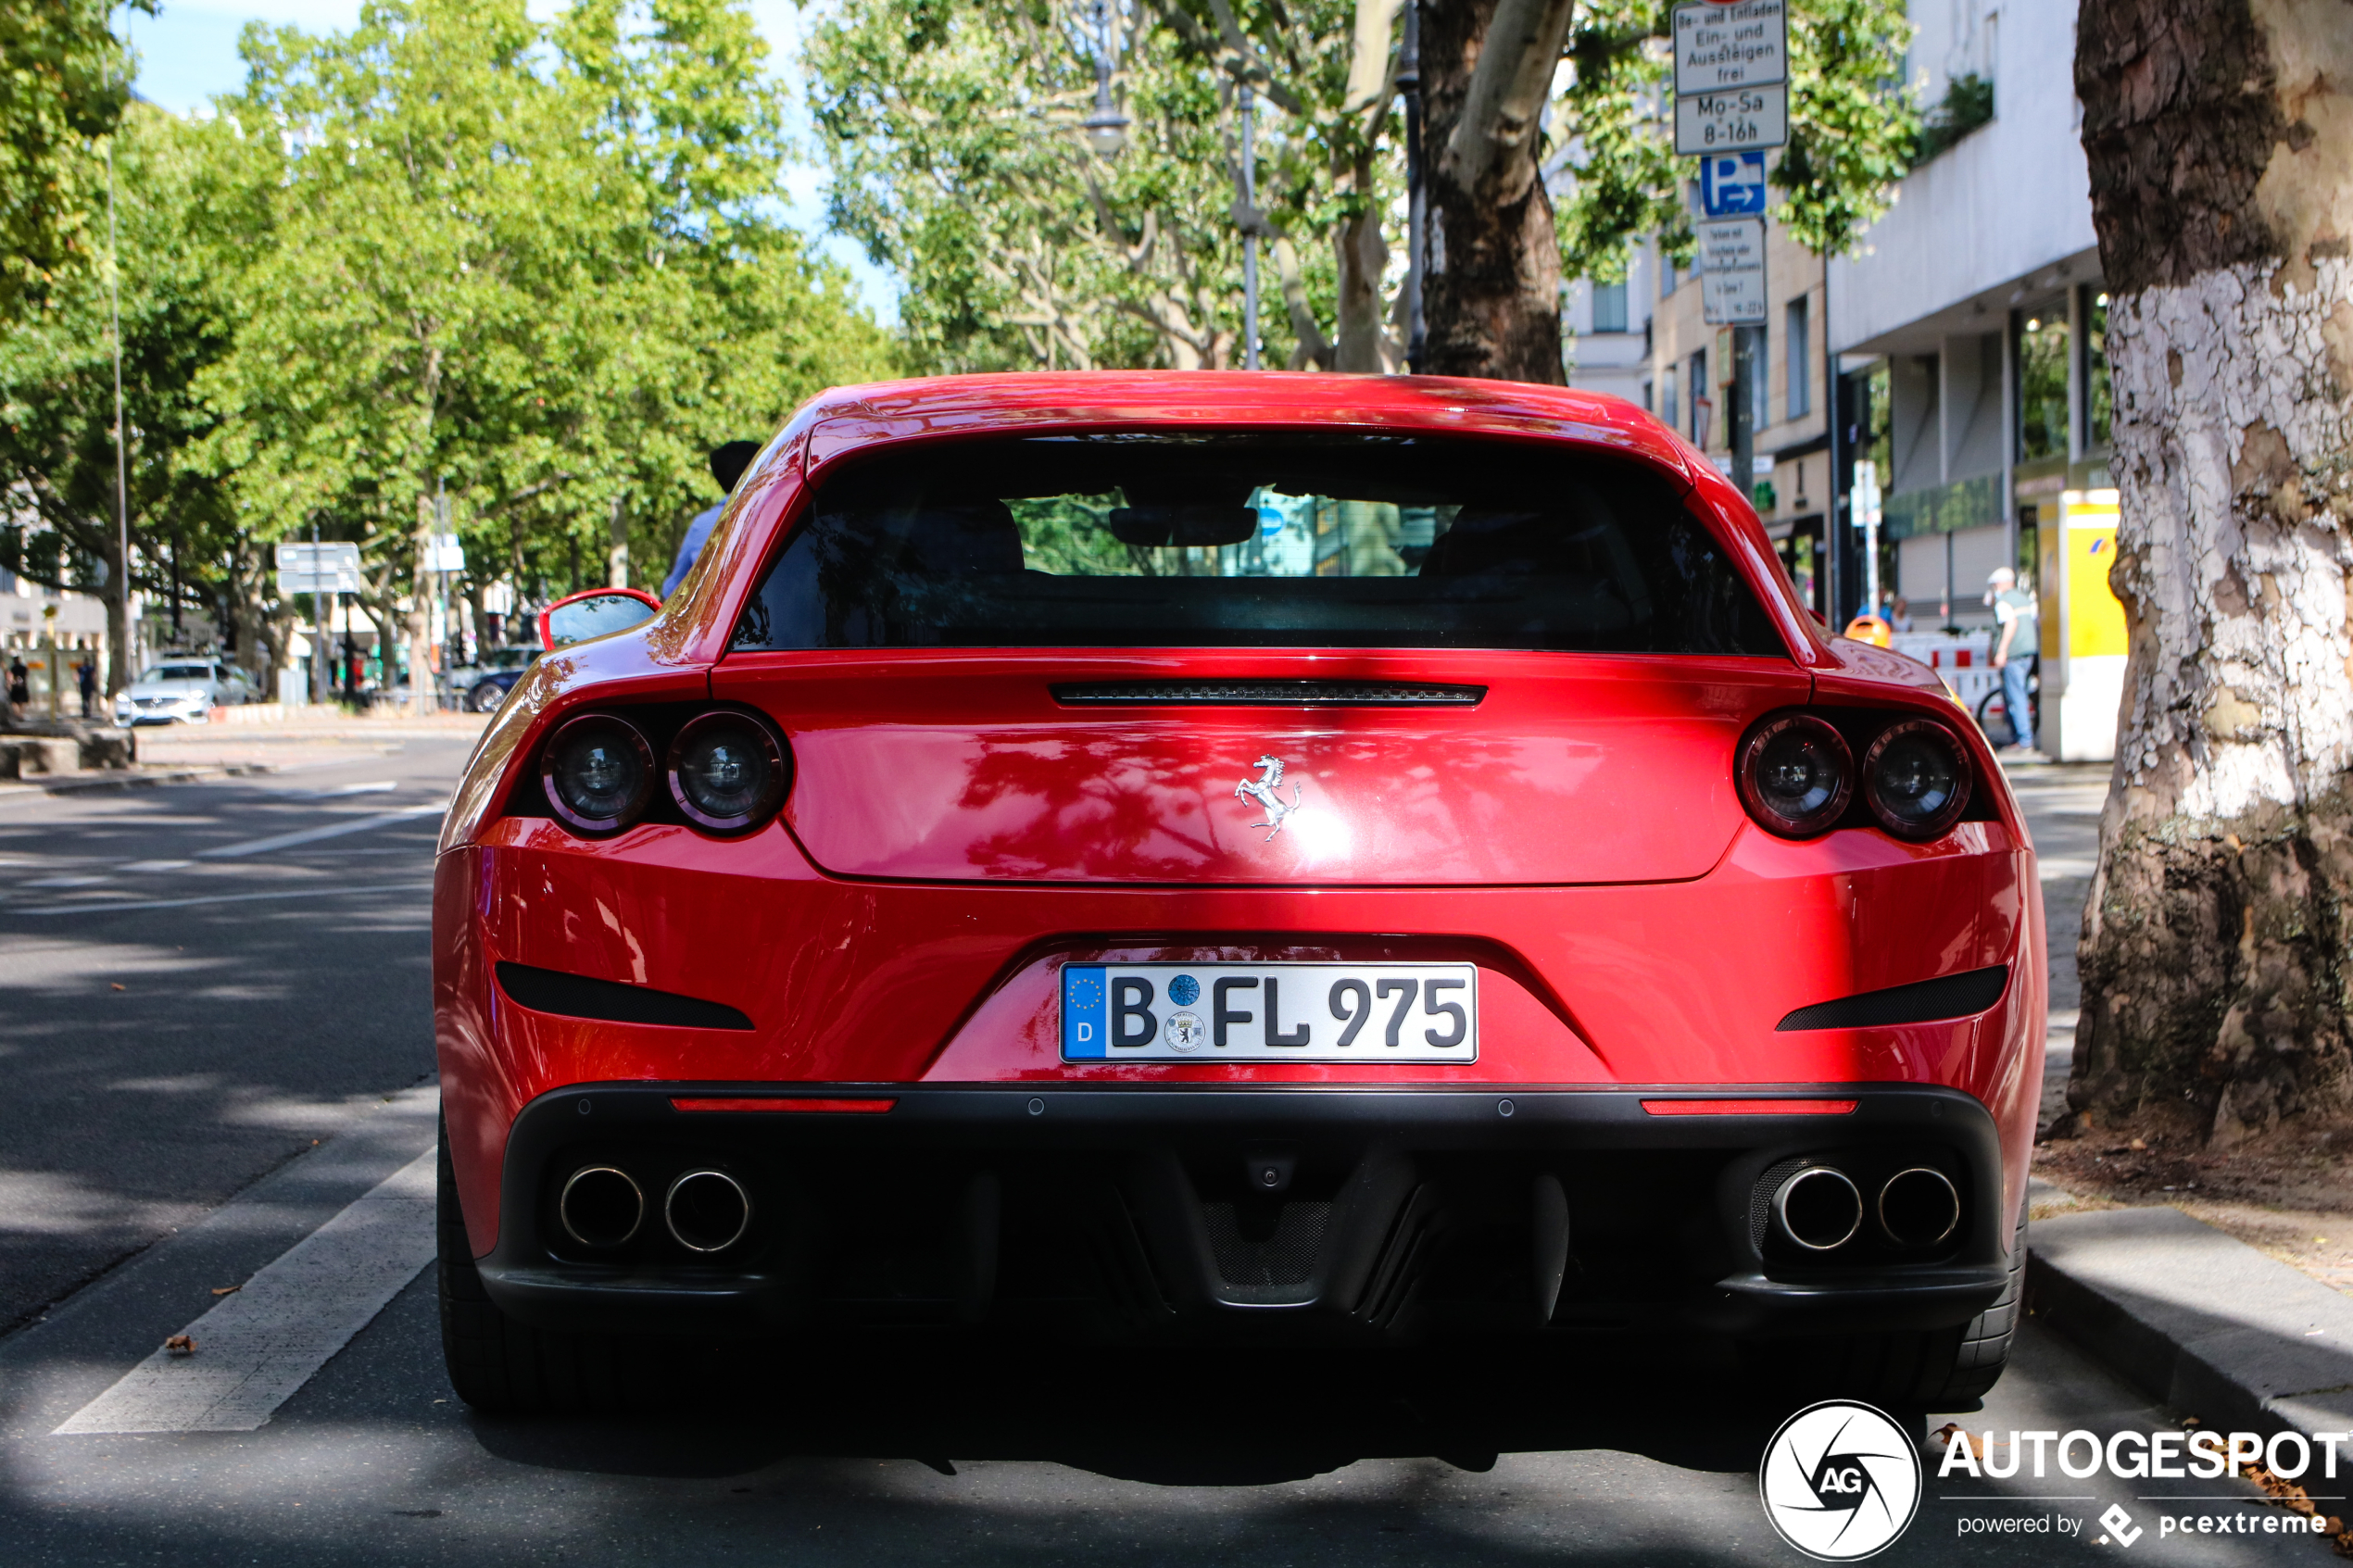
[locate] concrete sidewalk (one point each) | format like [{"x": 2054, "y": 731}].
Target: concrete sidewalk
[{"x": 2195, "y": 1319}]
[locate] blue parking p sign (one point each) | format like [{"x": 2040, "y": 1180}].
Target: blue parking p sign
[{"x": 1733, "y": 184}]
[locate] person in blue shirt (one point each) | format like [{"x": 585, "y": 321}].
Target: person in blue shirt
[{"x": 727, "y": 465}]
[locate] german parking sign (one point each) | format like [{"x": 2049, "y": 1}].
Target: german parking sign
[
  {"x": 1732, "y": 271},
  {"x": 1733, "y": 184}
]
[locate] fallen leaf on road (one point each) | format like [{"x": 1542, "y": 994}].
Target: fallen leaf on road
[
  {"x": 1951, "y": 1433},
  {"x": 122, "y": 987},
  {"x": 2138, "y": 1146},
  {"x": 180, "y": 1345},
  {"x": 226, "y": 1289}
]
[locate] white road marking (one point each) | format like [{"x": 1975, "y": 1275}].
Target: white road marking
[
  {"x": 381, "y": 786},
  {"x": 313, "y": 835},
  {"x": 108, "y": 905},
  {"x": 66, "y": 881},
  {"x": 138, "y": 868},
  {"x": 256, "y": 1348}
]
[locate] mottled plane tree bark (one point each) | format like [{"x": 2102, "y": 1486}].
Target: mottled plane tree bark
[
  {"x": 1493, "y": 287},
  {"x": 2219, "y": 136}
]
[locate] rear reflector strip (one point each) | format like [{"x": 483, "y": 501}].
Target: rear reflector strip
[
  {"x": 764, "y": 1104},
  {"x": 582, "y": 995},
  {"x": 1749, "y": 1106},
  {"x": 1923, "y": 1001},
  {"x": 1271, "y": 693}
]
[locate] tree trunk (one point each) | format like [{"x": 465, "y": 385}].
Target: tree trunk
[
  {"x": 1492, "y": 295},
  {"x": 419, "y": 616},
  {"x": 117, "y": 598},
  {"x": 1364, "y": 256},
  {"x": 2220, "y": 137}
]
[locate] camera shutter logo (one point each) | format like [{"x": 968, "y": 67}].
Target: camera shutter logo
[{"x": 1841, "y": 1481}]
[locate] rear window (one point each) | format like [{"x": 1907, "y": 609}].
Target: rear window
[{"x": 1147, "y": 541}]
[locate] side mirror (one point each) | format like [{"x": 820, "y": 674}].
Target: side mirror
[{"x": 594, "y": 612}]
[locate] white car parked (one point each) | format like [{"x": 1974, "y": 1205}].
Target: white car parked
[{"x": 181, "y": 691}]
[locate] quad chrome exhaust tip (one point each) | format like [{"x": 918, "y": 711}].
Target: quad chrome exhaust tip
[
  {"x": 1919, "y": 1206},
  {"x": 707, "y": 1211},
  {"x": 601, "y": 1206},
  {"x": 1820, "y": 1208}
]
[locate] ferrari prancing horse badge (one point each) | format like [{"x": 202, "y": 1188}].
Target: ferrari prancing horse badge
[{"x": 1267, "y": 790}]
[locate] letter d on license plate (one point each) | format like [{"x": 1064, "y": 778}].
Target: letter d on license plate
[{"x": 1372, "y": 1013}]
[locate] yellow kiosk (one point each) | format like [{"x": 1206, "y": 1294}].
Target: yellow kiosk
[{"x": 2083, "y": 627}]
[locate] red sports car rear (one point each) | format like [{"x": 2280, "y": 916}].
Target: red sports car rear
[{"x": 1265, "y": 858}]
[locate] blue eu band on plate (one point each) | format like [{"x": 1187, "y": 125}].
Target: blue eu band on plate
[{"x": 1270, "y": 1012}]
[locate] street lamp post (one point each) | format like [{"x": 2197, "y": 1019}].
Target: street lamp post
[
  {"x": 121, "y": 458},
  {"x": 1249, "y": 230},
  {"x": 1106, "y": 127},
  {"x": 1409, "y": 85}
]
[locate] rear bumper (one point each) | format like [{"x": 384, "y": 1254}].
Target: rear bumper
[{"x": 1137, "y": 1211}]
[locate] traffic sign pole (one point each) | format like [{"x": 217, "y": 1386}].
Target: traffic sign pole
[{"x": 1732, "y": 101}]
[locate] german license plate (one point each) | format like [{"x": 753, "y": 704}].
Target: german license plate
[{"x": 1371, "y": 1014}]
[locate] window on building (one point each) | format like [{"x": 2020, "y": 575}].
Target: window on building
[
  {"x": 1670, "y": 413},
  {"x": 2098, "y": 396},
  {"x": 1701, "y": 405},
  {"x": 1665, "y": 274},
  {"x": 1761, "y": 380},
  {"x": 2041, "y": 361},
  {"x": 1609, "y": 307},
  {"x": 1798, "y": 352}
]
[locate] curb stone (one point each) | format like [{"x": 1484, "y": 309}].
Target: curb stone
[
  {"x": 2196, "y": 1319},
  {"x": 69, "y": 784}
]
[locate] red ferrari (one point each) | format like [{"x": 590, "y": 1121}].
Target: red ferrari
[{"x": 1264, "y": 858}]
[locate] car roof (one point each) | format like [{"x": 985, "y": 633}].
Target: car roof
[{"x": 951, "y": 405}]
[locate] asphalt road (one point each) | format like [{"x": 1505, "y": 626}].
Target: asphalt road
[
  {"x": 177, "y": 1108},
  {"x": 192, "y": 988}
]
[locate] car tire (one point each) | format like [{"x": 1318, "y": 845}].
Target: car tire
[
  {"x": 1985, "y": 1343},
  {"x": 486, "y": 698},
  {"x": 1934, "y": 1370},
  {"x": 502, "y": 1367}
]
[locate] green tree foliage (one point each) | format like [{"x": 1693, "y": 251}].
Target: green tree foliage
[
  {"x": 56, "y": 380},
  {"x": 63, "y": 81},
  {"x": 532, "y": 265},
  {"x": 538, "y": 267},
  {"x": 953, "y": 133},
  {"x": 1853, "y": 130}
]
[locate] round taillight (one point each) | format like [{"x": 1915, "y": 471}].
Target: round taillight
[
  {"x": 1916, "y": 779},
  {"x": 1795, "y": 776},
  {"x": 598, "y": 773},
  {"x": 727, "y": 772}
]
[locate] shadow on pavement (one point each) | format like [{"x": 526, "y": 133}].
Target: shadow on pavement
[{"x": 1193, "y": 1418}]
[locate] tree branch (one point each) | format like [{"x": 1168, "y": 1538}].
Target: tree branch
[{"x": 1508, "y": 90}]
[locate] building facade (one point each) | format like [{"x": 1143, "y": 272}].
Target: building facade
[
  {"x": 1970, "y": 330},
  {"x": 1690, "y": 380}
]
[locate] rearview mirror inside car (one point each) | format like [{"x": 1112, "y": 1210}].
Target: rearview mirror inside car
[{"x": 1187, "y": 525}]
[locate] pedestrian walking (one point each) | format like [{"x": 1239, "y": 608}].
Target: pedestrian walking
[
  {"x": 19, "y": 685},
  {"x": 86, "y": 673},
  {"x": 2016, "y": 648}
]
